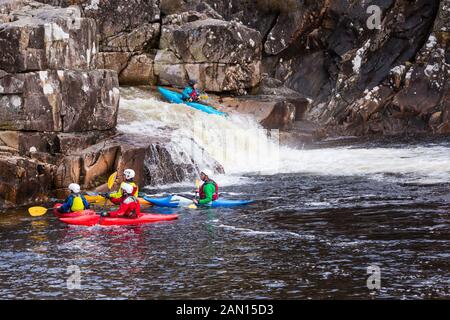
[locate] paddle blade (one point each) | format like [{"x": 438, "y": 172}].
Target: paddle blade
[
  {"x": 197, "y": 183},
  {"x": 192, "y": 206},
  {"x": 94, "y": 199},
  {"x": 37, "y": 211},
  {"x": 111, "y": 180}
]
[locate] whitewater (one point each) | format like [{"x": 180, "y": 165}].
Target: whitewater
[{"x": 244, "y": 148}]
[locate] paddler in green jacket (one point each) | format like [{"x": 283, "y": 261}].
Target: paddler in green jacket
[{"x": 209, "y": 190}]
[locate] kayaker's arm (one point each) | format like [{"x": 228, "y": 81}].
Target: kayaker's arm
[
  {"x": 186, "y": 94},
  {"x": 118, "y": 194},
  {"x": 67, "y": 205},
  {"x": 116, "y": 200},
  {"x": 209, "y": 190},
  {"x": 85, "y": 202}
]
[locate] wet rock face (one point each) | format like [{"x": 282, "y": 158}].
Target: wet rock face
[
  {"x": 63, "y": 100},
  {"x": 23, "y": 180},
  {"x": 40, "y": 38},
  {"x": 120, "y": 23},
  {"x": 324, "y": 50},
  {"x": 52, "y": 102},
  {"x": 116, "y": 18},
  {"x": 396, "y": 85},
  {"x": 226, "y": 55},
  {"x": 197, "y": 42},
  {"x": 255, "y": 14},
  {"x": 222, "y": 56},
  {"x": 271, "y": 113},
  {"x": 58, "y": 114},
  {"x": 390, "y": 80},
  {"x": 132, "y": 68},
  {"x": 295, "y": 19},
  {"x": 127, "y": 33}
]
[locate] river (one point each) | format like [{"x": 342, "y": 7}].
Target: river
[{"x": 323, "y": 215}]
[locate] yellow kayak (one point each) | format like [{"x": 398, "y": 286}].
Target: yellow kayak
[{"x": 101, "y": 200}]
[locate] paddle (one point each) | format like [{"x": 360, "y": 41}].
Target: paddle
[
  {"x": 96, "y": 196},
  {"x": 197, "y": 185},
  {"x": 40, "y": 211},
  {"x": 111, "y": 180}
]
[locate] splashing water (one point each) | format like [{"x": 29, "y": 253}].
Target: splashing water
[
  {"x": 242, "y": 146},
  {"x": 237, "y": 142}
]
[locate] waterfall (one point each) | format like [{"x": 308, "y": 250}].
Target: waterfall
[{"x": 242, "y": 146}]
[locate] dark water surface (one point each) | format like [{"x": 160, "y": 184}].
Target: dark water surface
[{"x": 309, "y": 237}]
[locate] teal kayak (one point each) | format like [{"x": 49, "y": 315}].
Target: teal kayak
[
  {"x": 178, "y": 201},
  {"x": 176, "y": 97}
]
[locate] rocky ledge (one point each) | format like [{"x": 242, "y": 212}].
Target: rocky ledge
[{"x": 59, "y": 112}]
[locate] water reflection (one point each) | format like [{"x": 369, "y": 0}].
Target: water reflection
[{"x": 308, "y": 237}]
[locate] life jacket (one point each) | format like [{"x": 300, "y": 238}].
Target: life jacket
[
  {"x": 77, "y": 204},
  {"x": 135, "y": 188},
  {"x": 194, "y": 94},
  {"x": 119, "y": 193},
  {"x": 133, "y": 206},
  {"x": 201, "y": 192}
]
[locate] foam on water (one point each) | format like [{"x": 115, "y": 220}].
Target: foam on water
[{"x": 242, "y": 146}]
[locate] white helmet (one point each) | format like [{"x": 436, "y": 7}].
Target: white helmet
[
  {"x": 129, "y": 174},
  {"x": 74, "y": 187},
  {"x": 128, "y": 188},
  {"x": 207, "y": 172}
]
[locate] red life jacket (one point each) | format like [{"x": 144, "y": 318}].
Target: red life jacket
[
  {"x": 130, "y": 207},
  {"x": 194, "y": 95},
  {"x": 201, "y": 191}
]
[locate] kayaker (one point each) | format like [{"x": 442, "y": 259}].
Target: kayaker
[
  {"x": 129, "y": 207},
  {"x": 209, "y": 190},
  {"x": 117, "y": 197},
  {"x": 75, "y": 201},
  {"x": 191, "y": 92}
]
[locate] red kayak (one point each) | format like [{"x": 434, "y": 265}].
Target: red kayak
[
  {"x": 92, "y": 220},
  {"x": 71, "y": 214}
]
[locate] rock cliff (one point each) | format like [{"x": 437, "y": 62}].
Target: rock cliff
[
  {"x": 367, "y": 67},
  {"x": 59, "y": 110}
]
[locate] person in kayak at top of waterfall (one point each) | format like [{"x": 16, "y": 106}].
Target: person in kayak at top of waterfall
[
  {"x": 209, "y": 190},
  {"x": 191, "y": 92},
  {"x": 129, "y": 207},
  {"x": 117, "y": 197},
  {"x": 75, "y": 201}
]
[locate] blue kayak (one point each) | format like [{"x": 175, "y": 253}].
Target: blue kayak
[
  {"x": 175, "y": 97},
  {"x": 178, "y": 201}
]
